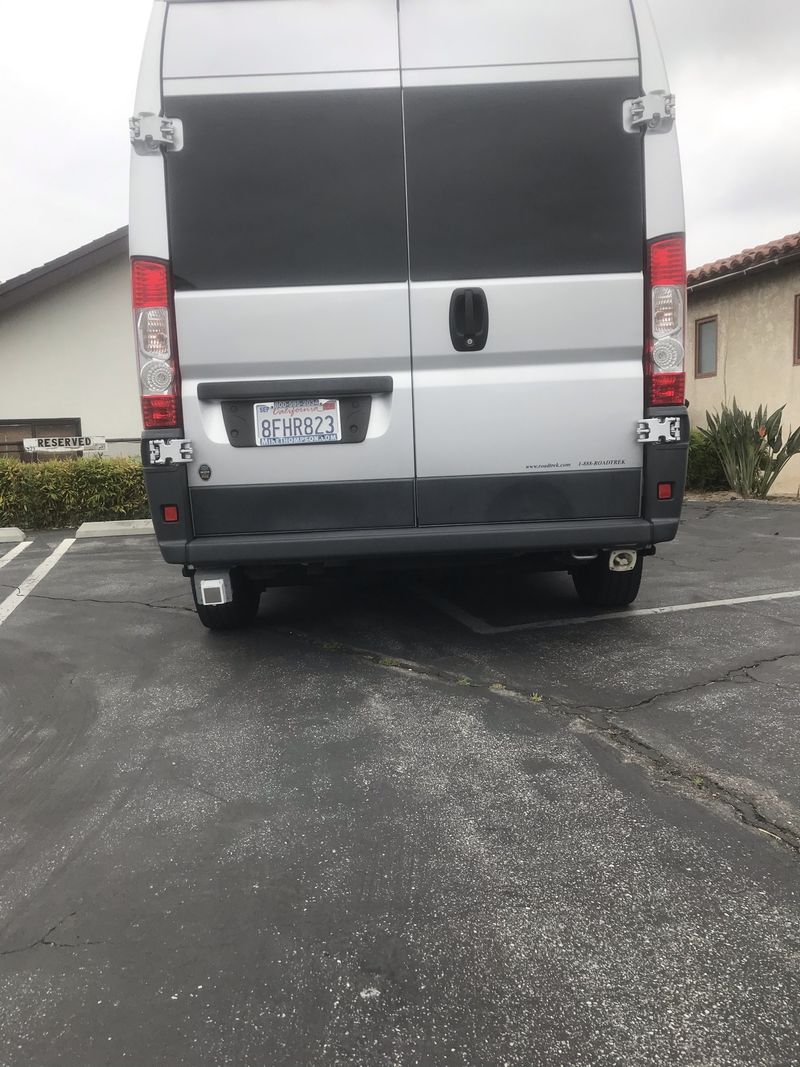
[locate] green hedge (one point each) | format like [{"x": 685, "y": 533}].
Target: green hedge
[
  {"x": 705, "y": 470},
  {"x": 61, "y": 494}
]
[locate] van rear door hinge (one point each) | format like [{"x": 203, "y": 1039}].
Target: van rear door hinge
[
  {"x": 164, "y": 453},
  {"x": 656, "y": 431},
  {"x": 656, "y": 111},
  {"x": 151, "y": 133}
]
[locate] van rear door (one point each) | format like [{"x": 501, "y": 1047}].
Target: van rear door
[
  {"x": 288, "y": 237},
  {"x": 526, "y": 224}
]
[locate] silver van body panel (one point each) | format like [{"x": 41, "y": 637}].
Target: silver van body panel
[
  {"x": 325, "y": 82},
  {"x": 316, "y": 332},
  {"x": 218, "y": 40},
  {"x": 148, "y": 229},
  {"x": 471, "y": 33},
  {"x": 523, "y": 72},
  {"x": 571, "y": 405},
  {"x": 664, "y": 206}
]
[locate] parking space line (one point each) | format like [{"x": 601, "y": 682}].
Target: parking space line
[
  {"x": 15, "y": 551},
  {"x": 478, "y": 626},
  {"x": 12, "y": 602}
]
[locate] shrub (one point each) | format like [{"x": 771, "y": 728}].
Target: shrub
[
  {"x": 61, "y": 494},
  {"x": 705, "y": 473},
  {"x": 751, "y": 447}
]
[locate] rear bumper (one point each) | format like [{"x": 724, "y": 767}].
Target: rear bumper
[
  {"x": 355, "y": 545},
  {"x": 657, "y": 523}
]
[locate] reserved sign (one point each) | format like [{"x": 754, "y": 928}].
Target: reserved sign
[{"x": 64, "y": 444}]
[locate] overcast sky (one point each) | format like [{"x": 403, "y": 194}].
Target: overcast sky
[{"x": 68, "y": 71}]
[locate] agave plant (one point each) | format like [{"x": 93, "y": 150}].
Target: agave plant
[{"x": 751, "y": 447}]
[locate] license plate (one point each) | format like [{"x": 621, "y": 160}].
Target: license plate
[{"x": 297, "y": 422}]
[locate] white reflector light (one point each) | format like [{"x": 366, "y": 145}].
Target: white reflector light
[
  {"x": 668, "y": 354},
  {"x": 156, "y": 376},
  {"x": 153, "y": 327},
  {"x": 667, "y": 310}
]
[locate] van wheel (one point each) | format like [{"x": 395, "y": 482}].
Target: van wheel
[
  {"x": 240, "y": 612},
  {"x": 599, "y": 587}
]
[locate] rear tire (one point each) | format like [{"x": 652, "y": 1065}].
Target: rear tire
[
  {"x": 599, "y": 587},
  {"x": 240, "y": 612}
]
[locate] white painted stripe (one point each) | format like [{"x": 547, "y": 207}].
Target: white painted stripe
[
  {"x": 526, "y": 72},
  {"x": 12, "y": 602},
  {"x": 478, "y": 626},
  {"x": 282, "y": 83},
  {"x": 15, "y": 551}
]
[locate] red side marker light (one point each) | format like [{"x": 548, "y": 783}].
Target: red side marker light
[
  {"x": 666, "y": 490},
  {"x": 170, "y": 513}
]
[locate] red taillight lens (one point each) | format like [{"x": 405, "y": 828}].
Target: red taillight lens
[
  {"x": 668, "y": 262},
  {"x": 159, "y": 382},
  {"x": 666, "y": 490},
  {"x": 170, "y": 513},
  {"x": 667, "y": 390},
  {"x": 665, "y": 352},
  {"x": 160, "y": 412},
  {"x": 150, "y": 284}
]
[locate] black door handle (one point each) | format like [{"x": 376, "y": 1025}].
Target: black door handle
[
  {"x": 469, "y": 313},
  {"x": 469, "y": 320}
]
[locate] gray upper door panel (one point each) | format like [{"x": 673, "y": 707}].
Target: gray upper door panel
[
  {"x": 250, "y": 37},
  {"x": 472, "y": 33}
]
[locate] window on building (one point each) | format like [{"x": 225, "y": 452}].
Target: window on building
[
  {"x": 12, "y": 434},
  {"x": 797, "y": 329},
  {"x": 706, "y": 347}
]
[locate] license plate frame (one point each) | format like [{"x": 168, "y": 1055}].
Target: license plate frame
[{"x": 294, "y": 415}]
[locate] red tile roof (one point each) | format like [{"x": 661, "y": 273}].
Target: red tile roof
[{"x": 751, "y": 257}]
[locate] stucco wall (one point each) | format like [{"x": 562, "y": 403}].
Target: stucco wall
[
  {"x": 755, "y": 351},
  {"x": 69, "y": 354}
]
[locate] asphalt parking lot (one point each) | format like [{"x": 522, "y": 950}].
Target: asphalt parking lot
[{"x": 444, "y": 819}]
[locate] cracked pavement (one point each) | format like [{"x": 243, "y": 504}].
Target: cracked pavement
[{"x": 364, "y": 834}]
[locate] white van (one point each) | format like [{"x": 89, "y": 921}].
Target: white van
[{"x": 408, "y": 284}]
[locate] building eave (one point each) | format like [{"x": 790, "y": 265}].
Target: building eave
[
  {"x": 41, "y": 279},
  {"x": 745, "y": 272},
  {"x": 775, "y": 254}
]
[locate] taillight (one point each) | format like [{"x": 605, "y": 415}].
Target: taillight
[
  {"x": 159, "y": 382},
  {"x": 665, "y": 350}
]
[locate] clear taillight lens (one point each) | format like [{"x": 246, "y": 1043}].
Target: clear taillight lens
[
  {"x": 667, "y": 310},
  {"x": 156, "y": 377},
  {"x": 155, "y": 345},
  {"x": 153, "y": 332},
  {"x": 665, "y": 354}
]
